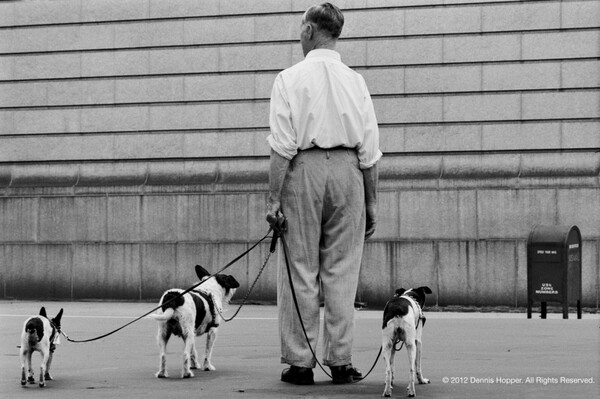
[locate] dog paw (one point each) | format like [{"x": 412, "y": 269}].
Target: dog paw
[
  {"x": 162, "y": 374},
  {"x": 42, "y": 384},
  {"x": 23, "y": 382},
  {"x": 208, "y": 367},
  {"x": 31, "y": 380},
  {"x": 187, "y": 374},
  {"x": 424, "y": 381},
  {"x": 387, "y": 394},
  {"x": 48, "y": 377}
]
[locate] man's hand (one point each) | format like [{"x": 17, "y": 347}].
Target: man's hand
[
  {"x": 273, "y": 212},
  {"x": 371, "y": 220},
  {"x": 277, "y": 171},
  {"x": 371, "y": 179}
]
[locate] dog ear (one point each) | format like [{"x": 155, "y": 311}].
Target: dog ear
[
  {"x": 226, "y": 281},
  {"x": 58, "y": 316},
  {"x": 43, "y": 312},
  {"x": 400, "y": 291},
  {"x": 232, "y": 282},
  {"x": 425, "y": 289},
  {"x": 201, "y": 272}
]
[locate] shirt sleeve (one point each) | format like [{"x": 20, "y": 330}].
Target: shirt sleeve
[
  {"x": 368, "y": 151},
  {"x": 283, "y": 136}
]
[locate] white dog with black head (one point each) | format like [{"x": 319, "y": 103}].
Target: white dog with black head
[
  {"x": 193, "y": 314},
  {"x": 403, "y": 321},
  {"x": 39, "y": 334}
]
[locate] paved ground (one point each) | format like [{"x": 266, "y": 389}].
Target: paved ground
[{"x": 466, "y": 355}]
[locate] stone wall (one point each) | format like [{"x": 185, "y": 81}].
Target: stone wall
[{"x": 132, "y": 141}]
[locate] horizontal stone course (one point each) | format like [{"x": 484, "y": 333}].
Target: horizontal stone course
[
  {"x": 250, "y": 86},
  {"x": 392, "y": 167},
  {"x": 172, "y": 28}
]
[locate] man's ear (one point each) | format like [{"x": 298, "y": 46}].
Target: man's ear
[{"x": 310, "y": 30}]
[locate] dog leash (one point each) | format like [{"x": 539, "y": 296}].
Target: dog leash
[
  {"x": 398, "y": 340},
  {"x": 262, "y": 268},
  {"x": 178, "y": 296},
  {"x": 279, "y": 229}
]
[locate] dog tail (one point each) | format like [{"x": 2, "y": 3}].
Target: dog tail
[
  {"x": 166, "y": 315},
  {"x": 32, "y": 337}
]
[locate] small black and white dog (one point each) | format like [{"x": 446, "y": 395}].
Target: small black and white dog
[
  {"x": 39, "y": 334},
  {"x": 403, "y": 320},
  {"x": 193, "y": 314}
]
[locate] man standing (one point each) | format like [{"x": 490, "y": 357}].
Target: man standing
[{"x": 323, "y": 177}]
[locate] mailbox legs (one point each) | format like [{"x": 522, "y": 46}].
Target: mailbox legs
[{"x": 544, "y": 309}]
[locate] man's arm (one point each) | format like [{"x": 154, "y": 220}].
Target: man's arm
[
  {"x": 371, "y": 180},
  {"x": 278, "y": 169}
]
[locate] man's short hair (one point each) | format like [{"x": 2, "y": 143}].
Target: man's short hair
[{"x": 327, "y": 17}]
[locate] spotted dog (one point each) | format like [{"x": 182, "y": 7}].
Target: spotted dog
[
  {"x": 193, "y": 314},
  {"x": 42, "y": 335},
  {"x": 403, "y": 320}
]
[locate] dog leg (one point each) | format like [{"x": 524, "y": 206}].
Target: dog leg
[
  {"x": 163, "y": 338},
  {"x": 392, "y": 365},
  {"x": 188, "y": 339},
  {"x": 194, "y": 356},
  {"x": 411, "y": 351},
  {"x": 388, "y": 353},
  {"x": 30, "y": 378},
  {"x": 45, "y": 356},
  {"x": 420, "y": 378},
  {"x": 47, "y": 375},
  {"x": 23, "y": 365},
  {"x": 42, "y": 382},
  {"x": 387, "y": 350},
  {"x": 211, "y": 337}
]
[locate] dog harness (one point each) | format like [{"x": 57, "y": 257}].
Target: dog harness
[
  {"x": 54, "y": 338},
  {"x": 211, "y": 306}
]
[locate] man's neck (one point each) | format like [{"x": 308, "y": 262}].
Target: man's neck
[
  {"x": 328, "y": 45},
  {"x": 324, "y": 42}
]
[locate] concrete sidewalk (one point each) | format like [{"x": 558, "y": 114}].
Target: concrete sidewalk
[{"x": 466, "y": 355}]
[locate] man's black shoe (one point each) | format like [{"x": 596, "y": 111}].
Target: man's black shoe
[
  {"x": 354, "y": 372},
  {"x": 298, "y": 375},
  {"x": 345, "y": 374}
]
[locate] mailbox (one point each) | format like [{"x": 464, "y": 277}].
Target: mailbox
[{"x": 554, "y": 268}]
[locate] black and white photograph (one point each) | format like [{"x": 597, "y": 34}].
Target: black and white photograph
[{"x": 273, "y": 199}]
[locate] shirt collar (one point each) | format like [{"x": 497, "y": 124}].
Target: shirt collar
[{"x": 324, "y": 53}]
